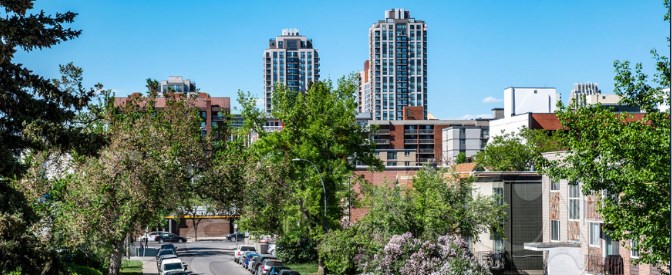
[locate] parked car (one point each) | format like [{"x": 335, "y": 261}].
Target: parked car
[
  {"x": 252, "y": 262},
  {"x": 245, "y": 258},
  {"x": 150, "y": 236},
  {"x": 170, "y": 266},
  {"x": 164, "y": 252},
  {"x": 233, "y": 236},
  {"x": 240, "y": 249},
  {"x": 170, "y": 237},
  {"x": 163, "y": 258},
  {"x": 275, "y": 270},
  {"x": 266, "y": 265},
  {"x": 169, "y": 246},
  {"x": 256, "y": 264},
  {"x": 289, "y": 272}
]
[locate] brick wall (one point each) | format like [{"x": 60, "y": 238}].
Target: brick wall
[{"x": 206, "y": 228}]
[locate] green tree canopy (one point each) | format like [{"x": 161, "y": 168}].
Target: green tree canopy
[{"x": 626, "y": 158}]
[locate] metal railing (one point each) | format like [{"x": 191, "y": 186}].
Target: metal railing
[
  {"x": 426, "y": 131},
  {"x": 426, "y": 141},
  {"x": 381, "y": 141},
  {"x": 410, "y": 141}
]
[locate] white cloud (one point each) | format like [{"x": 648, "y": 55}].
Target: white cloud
[
  {"x": 490, "y": 99},
  {"x": 469, "y": 116}
]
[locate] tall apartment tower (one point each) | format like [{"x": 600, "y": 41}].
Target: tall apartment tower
[
  {"x": 290, "y": 60},
  {"x": 398, "y": 70}
]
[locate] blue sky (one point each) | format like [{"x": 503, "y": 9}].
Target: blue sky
[{"x": 475, "y": 48}]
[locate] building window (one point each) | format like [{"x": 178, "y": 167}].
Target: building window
[
  {"x": 499, "y": 195},
  {"x": 634, "y": 249},
  {"x": 407, "y": 163},
  {"x": 555, "y": 230},
  {"x": 555, "y": 185},
  {"x": 407, "y": 153},
  {"x": 391, "y": 155},
  {"x": 574, "y": 204},
  {"x": 391, "y": 163},
  {"x": 594, "y": 239}
]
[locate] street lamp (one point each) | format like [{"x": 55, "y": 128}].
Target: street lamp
[{"x": 324, "y": 193}]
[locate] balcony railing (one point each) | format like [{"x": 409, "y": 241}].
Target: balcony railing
[
  {"x": 382, "y": 132},
  {"x": 426, "y": 151},
  {"x": 594, "y": 264},
  {"x": 410, "y": 131},
  {"x": 381, "y": 141},
  {"x": 410, "y": 141},
  {"x": 426, "y": 141},
  {"x": 426, "y": 131}
]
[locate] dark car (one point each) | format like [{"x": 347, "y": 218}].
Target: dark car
[
  {"x": 164, "y": 252},
  {"x": 265, "y": 267},
  {"x": 256, "y": 263},
  {"x": 233, "y": 236},
  {"x": 169, "y": 246},
  {"x": 275, "y": 270},
  {"x": 170, "y": 237},
  {"x": 289, "y": 272}
]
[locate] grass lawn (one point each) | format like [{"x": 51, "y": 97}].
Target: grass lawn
[
  {"x": 129, "y": 267},
  {"x": 304, "y": 269}
]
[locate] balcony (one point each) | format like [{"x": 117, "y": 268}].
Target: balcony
[
  {"x": 426, "y": 151},
  {"x": 410, "y": 131},
  {"x": 426, "y": 141},
  {"x": 427, "y": 131},
  {"x": 410, "y": 141},
  {"x": 381, "y": 141},
  {"x": 382, "y": 132}
]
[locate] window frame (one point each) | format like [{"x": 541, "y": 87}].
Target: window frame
[
  {"x": 573, "y": 200},
  {"x": 591, "y": 234},
  {"x": 555, "y": 184},
  {"x": 555, "y": 224},
  {"x": 634, "y": 253}
]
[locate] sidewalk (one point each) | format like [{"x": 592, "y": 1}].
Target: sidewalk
[{"x": 148, "y": 265}]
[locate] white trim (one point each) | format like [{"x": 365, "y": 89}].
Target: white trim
[{"x": 590, "y": 234}]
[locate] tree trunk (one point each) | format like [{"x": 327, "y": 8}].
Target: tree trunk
[
  {"x": 193, "y": 221},
  {"x": 115, "y": 258},
  {"x": 321, "y": 269}
]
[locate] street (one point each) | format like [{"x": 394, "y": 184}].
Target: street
[{"x": 207, "y": 257}]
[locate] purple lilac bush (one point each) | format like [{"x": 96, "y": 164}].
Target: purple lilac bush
[{"x": 405, "y": 254}]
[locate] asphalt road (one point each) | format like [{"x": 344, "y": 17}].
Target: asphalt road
[{"x": 209, "y": 257}]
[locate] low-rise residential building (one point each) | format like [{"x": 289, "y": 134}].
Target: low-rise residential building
[
  {"x": 422, "y": 139},
  {"x": 213, "y": 110},
  {"x": 573, "y": 239}
]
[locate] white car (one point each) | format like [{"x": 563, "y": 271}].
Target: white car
[
  {"x": 170, "y": 266},
  {"x": 240, "y": 249},
  {"x": 150, "y": 236}
]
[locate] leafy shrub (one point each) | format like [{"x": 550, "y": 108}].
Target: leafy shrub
[{"x": 301, "y": 251}]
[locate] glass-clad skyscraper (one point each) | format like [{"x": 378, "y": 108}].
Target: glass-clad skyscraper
[
  {"x": 398, "y": 68},
  {"x": 290, "y": 60}
]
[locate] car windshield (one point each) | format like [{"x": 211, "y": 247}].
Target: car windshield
[
  {"x": 247, "y": 248},
  {"x": 167, "y": 246},
  {"x": 165, "y": 252},
  {"x": 273, "y": 263},
  {"x": 172, "y": 266}
]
